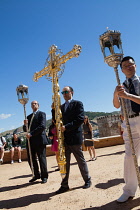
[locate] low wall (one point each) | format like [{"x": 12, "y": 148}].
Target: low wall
[
  {"x": 107, "y": 142},
  {"x": 98, "y": 143},
  {"x": 7, "y": 154}
]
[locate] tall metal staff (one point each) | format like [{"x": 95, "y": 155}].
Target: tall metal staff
[
  {"x": 53, "y": 70},
  {"x": 111, "y": 47},
  {"x": 22, "y": 93}
]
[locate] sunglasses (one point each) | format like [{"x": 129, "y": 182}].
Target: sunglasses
[{"x": 65, "y": 92}]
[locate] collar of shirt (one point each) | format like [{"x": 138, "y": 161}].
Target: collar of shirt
[
  {"x": 35, "y": 112},
  {"x": 135, "y": 77},
  {"x": 69, "y": 100}
]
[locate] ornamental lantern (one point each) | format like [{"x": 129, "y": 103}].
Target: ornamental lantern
[
  {"x": 22, "y": 93},
  {"x": 111, "y": 47}
]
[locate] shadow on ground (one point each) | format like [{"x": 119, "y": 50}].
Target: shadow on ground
[
  {"x": 24, "y": 201},
  {"x": 115, "y": 153},
  {"x": 27, "y": 200},
  {"x": 109, "y": 184},
  {"x": 130, "y": 204},
  {"x": 21, "y": 177},
  {"x": 15, "y": 187}
]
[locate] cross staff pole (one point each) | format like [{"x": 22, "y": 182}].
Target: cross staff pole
[
  {"x": 22, "y": 92},
  {"x": 53, "y": 71},
  {"x": 110, "y": 43}
]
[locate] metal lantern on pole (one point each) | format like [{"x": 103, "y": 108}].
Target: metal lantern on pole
[
  {"x": 111, "y": 47},
  {"x": 23, "y": 98},
  {"x": 22, "y": 92}
]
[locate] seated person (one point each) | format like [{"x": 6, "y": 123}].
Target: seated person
[
  {"x": 2, "y": 145},
  {"x": 16, "y": 145}
]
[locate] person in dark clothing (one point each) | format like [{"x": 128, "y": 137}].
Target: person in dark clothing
[
  {"x": 16, "y": 145},
  {"x": 73, "y": 117},
  {"x": 88, "y": 140},
  {"x": 37, "y": 137}
]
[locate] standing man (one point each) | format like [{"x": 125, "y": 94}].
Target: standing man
[
  {"x": 73, "y": 117},
  {"x": 2, "y": 145},
  {"x": 38, "y": 140},
  {"x": 130, "y": 91}
]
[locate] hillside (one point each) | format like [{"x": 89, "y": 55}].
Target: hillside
[{"x": 92, "y": 116}]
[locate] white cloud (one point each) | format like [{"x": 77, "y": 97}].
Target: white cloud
[
  {"x": 5, "y": 116},
  {"x": 1, "y": 129}
]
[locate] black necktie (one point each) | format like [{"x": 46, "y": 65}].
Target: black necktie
[{"x": 135, "y": 106}]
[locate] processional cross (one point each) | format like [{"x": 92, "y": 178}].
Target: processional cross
[{"x": 54, "y": 68}]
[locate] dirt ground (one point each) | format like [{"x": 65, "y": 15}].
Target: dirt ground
[{"x": 107, "y": 181}]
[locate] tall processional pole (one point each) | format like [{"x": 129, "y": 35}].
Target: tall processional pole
[{"x": 23, "y": 97}]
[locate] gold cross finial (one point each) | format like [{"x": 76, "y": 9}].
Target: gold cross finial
[{"x": 56, "y": 61}]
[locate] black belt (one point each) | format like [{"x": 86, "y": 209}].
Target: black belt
[{"x": 134, "y": 115}]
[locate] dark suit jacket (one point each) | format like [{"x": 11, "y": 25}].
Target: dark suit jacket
[
  {"x": 73, "y": 117},
  {"x": 37, "y": 129}
]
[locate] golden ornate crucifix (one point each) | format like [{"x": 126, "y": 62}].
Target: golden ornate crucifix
[{"x": 53, "y": 70}]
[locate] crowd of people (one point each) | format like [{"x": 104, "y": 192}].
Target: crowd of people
[{"x": 76, "y": 127}]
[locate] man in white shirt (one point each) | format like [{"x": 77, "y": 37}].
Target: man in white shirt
[{"x": 130, "y": 92}]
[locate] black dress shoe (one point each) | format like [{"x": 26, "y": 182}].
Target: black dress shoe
[
  {"x": 62, "y": 190},
  {"x": 34, "y": 179},
  {"x": 44, "y": 180},
  {"x": 87, "y": 184}
]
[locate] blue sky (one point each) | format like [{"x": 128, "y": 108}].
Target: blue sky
[{"x": 30, "y": 27}]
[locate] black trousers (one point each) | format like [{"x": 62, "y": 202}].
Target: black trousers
[
  {"x": 39, "y": 152},
  {"x": 78, "y": 154}
]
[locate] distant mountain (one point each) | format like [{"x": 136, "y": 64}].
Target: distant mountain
[{"x": 91, "y": 115}]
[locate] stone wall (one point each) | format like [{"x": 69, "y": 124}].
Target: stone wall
[{"x": 108, "y": 125}]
